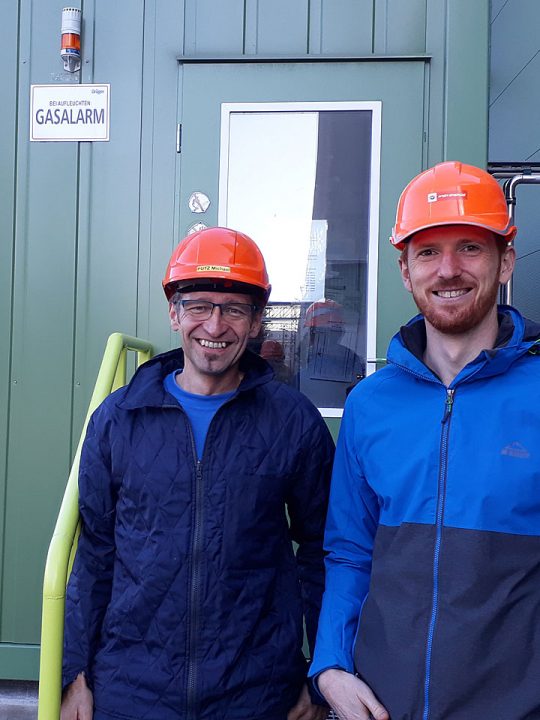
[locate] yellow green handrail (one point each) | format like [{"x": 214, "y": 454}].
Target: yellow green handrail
[{"x": 112, "y": 375}]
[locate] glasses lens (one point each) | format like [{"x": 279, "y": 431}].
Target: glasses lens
[
  {"x": 197, "y": 308},
  {"x": 236, "y": 311}
]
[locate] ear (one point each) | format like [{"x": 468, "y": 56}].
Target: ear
[
  {"x": 404, "y": 270},
  {"x": 255, "y": 325},
  {"x": 508, "y": 261},
  {"x": 173, "y": 316}
]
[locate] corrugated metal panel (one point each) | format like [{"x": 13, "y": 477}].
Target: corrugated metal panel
[
  {"x": 457, "y": 38},
  {"x": 43, "y": 306},
  {"x": 514, "y": 109},
  {"x": 282, "y": 27},
  {"x": 515, "y": 118},
  {"x": 213, "y": 26},
  {"x": 276, "y": 26},
  {"x": 109, "y": 195},
  {"x": 435, "y": 119},
  {"x": 8, "y": 125},
  {"x": 467, "y": 101},
  {"x": 513, "y": 45},
  {"x": 497, "y": 6},
  {"x": 400, "y": 27},
  {"x": 161, "y": 107},
  {"x": 341, "y": 27}
]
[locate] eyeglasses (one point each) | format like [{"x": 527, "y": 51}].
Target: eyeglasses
[{"x": 203, "y": 309}]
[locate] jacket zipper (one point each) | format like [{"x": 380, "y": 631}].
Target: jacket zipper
[
  {"x": 441, "y": 499},
  {"x": 195, "y": 586},
  {"x": 193, "y": 614}
]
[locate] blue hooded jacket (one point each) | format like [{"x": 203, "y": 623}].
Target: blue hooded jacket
[
  {"x": 433, "y": 534},
  {"x": 186, "y": 599}
]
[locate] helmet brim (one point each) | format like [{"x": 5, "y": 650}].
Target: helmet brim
[{"x": 400, "y": 240}]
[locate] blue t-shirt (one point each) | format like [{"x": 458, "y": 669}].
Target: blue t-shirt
[{"x": 200, "y": 409}]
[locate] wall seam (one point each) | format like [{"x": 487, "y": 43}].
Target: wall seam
[
  {"x": 141, "y": 132},
  {"x": 12, "y": 304},
  {"x": 514, "y": 78},
  {"x": 500, "y": 10}
]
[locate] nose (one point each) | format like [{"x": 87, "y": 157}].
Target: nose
[
  {"x": 215, "y": 325},
  {"x": 449, "y": 265}
]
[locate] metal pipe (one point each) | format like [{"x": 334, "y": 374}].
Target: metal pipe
[
  {"x": 528, "y": 179},
  {"x": 510, "y": 190}
]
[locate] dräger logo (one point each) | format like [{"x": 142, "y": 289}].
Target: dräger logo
[
  {"x": 517, "y": 450},
  {"x": 433, "y": 197},
  {"x": 213, "y": 268}
]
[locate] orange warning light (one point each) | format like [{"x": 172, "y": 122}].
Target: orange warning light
[{"x": 71, "y": 39}]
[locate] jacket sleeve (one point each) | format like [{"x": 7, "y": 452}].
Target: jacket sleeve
[
  {"x": 307, "y": 506},
  {"x": 350, "y": 530},
  {"x": 89, "y": 586}
]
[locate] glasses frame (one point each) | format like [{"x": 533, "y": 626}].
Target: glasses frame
[{"x": 212, "y": 305}]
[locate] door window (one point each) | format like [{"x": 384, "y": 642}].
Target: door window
[{"x": 302, "y": 179}]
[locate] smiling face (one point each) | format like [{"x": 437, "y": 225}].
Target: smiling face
[
  {"x": 213, "y": 347},
  {"x": 453, "y": 273}
]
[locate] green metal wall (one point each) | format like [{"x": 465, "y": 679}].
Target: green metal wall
[
  {"x": 514, "y": 130},
  {"x": 86, "y": 229}
]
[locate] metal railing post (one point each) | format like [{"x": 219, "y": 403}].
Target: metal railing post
[{"x": 112, "y": 374}]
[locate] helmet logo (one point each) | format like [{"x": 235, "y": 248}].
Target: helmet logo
[
  {"x": 434, "y": 196},
  {"x": 213, "y": 268}
]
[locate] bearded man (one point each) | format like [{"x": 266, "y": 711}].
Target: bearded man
[{"x": 432, "y": 602}]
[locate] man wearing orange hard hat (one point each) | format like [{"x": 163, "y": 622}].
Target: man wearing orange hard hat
[
  {"x": 186, "y": 599},
  {"x": 432, "y": 602}
]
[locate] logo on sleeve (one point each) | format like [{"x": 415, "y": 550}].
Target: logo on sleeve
[{"x": 517, "y": 450}]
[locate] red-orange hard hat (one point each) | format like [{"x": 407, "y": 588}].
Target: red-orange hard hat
[
  {"x": 220, "y": 256},
  {"x": 451, "y": 193},
  {"x": 324, "y": 313},
  {"x": 272, "y": 350}
]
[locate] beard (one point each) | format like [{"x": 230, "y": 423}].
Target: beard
[{"x": 455, "y": 321}]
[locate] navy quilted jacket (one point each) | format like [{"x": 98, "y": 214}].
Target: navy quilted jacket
[{"x": 186, "y": 599}]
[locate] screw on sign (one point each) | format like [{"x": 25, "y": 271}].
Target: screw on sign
[{"x": 198, "y": 202}]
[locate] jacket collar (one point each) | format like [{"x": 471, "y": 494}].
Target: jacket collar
[
  {"x": 516, "y": 336},
  {"x": 146, "y": 388}
]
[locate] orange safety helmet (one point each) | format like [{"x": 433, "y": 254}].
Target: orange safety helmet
[
  {"x": 272, "y": 350},
  {"x": 451, "y": 193},
  {"x": 324, "y": 314},
  {"x": 217, "y": 256}
]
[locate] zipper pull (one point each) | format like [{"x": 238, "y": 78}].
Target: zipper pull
[{"x": 448, "y": 405}]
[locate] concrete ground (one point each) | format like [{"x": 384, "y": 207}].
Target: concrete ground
[{"x": 18, "y": 700}]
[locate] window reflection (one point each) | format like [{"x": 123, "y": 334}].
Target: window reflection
[{"x": 299, "y": 184}]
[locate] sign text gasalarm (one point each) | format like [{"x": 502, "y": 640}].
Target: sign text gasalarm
[{"x": 69, "y": 113}]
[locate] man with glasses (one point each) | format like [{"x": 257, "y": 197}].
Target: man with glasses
[{"x": 186, "y": 598}]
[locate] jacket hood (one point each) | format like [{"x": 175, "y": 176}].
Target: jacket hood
[
  {"x": 516, "y": 337},
  {"x": 146, "y": 386}
]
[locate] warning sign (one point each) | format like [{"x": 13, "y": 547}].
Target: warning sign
[{"x": 69, "y": 113}]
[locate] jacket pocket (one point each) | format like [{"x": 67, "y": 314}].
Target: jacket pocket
[{"x": 255, "y": 523}]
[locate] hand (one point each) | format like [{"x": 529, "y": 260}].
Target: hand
[
  {"x": 350, "y": 697},
  {"x": 78, "y": 702},
  {"x": 305, "y": 709}
]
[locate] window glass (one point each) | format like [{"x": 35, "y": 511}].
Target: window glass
[{"x": 300, "y": 183}]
